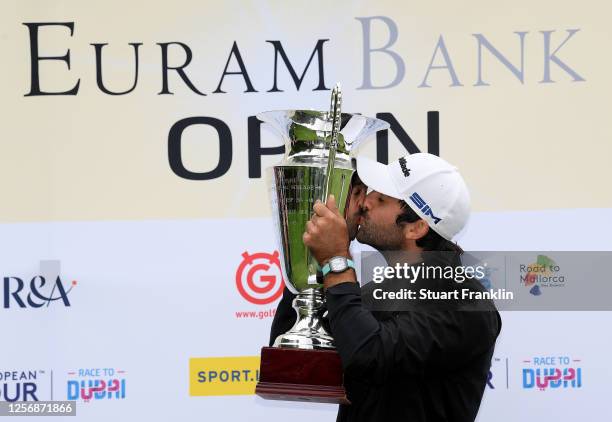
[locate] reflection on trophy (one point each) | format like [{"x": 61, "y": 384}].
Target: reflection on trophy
[{"x": 303, "y": 364}]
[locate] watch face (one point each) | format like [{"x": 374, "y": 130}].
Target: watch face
[{"x": 337, "y": 264}]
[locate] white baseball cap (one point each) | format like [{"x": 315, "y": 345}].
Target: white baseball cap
[{"x": 432, "y": 187}]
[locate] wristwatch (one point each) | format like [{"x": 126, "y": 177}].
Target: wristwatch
[{"x": 337, "y": 264}]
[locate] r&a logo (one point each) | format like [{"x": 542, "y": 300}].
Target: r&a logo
[{"x": 37, "y": 293}]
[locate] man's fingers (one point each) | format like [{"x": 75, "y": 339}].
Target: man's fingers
[
  {"x": 309, "y": 227},
  {"x": 322, "y": 210},
  {"x": 331, "y": 204}
]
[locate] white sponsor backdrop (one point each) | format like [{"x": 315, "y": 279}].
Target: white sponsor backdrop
[
  {"x": 89, "y": 192},
  {"x": 149, "y": 297}
]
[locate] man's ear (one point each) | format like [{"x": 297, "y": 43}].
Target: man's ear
[{"x": 417, "y": 230}]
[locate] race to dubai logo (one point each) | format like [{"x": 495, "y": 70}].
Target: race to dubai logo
[
  {"x": 259, "y": 277},
  {"x": 86, "y": 384},
  {"x": 552, "y": 372}
]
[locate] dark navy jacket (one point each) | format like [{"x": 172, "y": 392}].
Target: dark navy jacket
[{"x": 429, "y": 363}]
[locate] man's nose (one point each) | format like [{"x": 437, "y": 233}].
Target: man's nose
[{"x": 368, "y": 201}]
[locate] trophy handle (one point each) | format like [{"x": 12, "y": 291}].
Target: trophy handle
[{"x": 335, "y": 115}]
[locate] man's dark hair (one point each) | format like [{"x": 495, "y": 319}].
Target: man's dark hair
[
  {"x": 356, "y": 180},
  {"x": 432, "y": 241}
]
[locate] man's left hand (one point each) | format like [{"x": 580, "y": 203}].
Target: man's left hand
[{"x": 327, "y": 233}]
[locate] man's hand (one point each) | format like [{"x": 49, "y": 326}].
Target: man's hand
[{"x": 327, "y": 233}]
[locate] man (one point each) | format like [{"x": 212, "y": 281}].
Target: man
[{"x": 426, "y": 364}]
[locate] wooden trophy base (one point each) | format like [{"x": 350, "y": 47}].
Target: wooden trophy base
[{"x": 301, "y": 375}]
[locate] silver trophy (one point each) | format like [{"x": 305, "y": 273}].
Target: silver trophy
[{"x": 318, "y": 162}]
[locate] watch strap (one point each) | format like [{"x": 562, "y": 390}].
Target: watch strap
[{"x": 326, "y": 269}]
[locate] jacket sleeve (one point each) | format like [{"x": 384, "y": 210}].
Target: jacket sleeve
[
  {"x": 373, "y": 349},
  {"x": 285, "y": 316}
]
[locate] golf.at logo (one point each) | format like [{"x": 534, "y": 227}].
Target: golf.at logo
[{"x": 259, "y": 278}]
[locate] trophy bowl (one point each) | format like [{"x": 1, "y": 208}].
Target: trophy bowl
[{"x": 297, "y": 182}]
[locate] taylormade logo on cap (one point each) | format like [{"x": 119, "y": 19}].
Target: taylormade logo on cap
[
  {"x": 432, "y": 187},
  {"x": 405, "y": 169}
]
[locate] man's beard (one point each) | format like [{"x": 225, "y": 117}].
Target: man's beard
[
  {"x": 353, "y": 226},
  {"x": 378, "y": 236}
]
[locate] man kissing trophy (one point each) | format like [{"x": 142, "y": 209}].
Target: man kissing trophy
[{"x": 303, "y": 364}]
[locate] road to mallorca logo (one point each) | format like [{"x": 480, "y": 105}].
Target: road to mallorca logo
[
  {"x": 259, "y": 277},
  {"x": 545, "y": 272}
]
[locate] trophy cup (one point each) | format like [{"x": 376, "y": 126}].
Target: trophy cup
[{"x": 303, "y": 364}]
